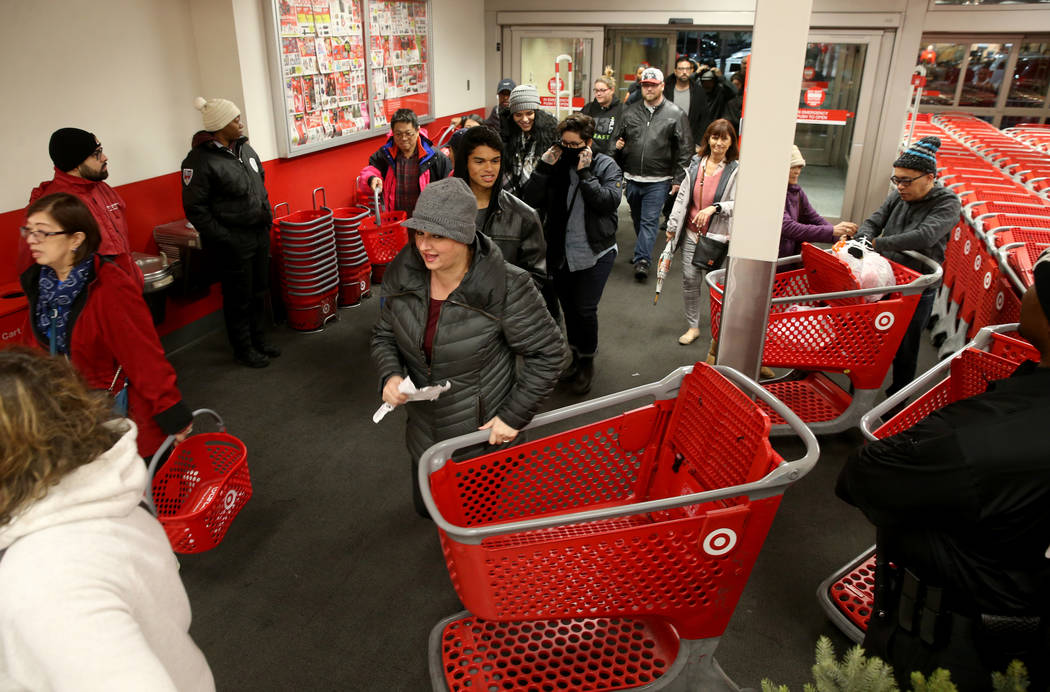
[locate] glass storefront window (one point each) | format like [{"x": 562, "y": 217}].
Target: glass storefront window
[
  {"x": 1014, "y": 120},
  {"x": 984, "y": 74},
  {"x": 1031, "y": 76},
  {"x": 943, "y": 63}
]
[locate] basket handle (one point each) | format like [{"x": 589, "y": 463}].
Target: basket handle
[
  {"x": 159, "y": 454},
  {"x": 279, "y": 205},
  {"x": 376, "y": 207},
  {"x": 324, "y": 197}
]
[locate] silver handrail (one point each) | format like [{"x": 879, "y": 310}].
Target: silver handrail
[{"x": 786, "y": 473}]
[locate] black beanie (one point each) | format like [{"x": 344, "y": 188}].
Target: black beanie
[
  {"x": 70, "y": 146},
  {"x": 921, "y": 156}
]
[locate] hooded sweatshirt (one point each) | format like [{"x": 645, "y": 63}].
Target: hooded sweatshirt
[{"x": 90, "y": 595}]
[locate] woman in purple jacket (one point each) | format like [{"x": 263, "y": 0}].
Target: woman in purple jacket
[{"x": 801, "y": 222}]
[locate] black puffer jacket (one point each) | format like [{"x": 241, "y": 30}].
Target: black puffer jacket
[
  {"x": 658, "y": 143},
  {"x": 516, "y": 229},
  {"x": 223, "y": 193},
  {"x": 495, "y": 315}
]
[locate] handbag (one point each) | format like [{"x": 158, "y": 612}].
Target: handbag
[{"x": 709, "y": 254}]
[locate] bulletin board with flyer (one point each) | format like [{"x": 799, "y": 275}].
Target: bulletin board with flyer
[{"x": 342, "y": 67}]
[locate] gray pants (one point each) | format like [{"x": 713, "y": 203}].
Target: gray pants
[{"x": 693, "y": 288}]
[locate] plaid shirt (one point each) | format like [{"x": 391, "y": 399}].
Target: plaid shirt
[{"x": 406, "y": 174}]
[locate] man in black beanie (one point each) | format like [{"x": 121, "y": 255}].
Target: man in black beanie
[
  {"x": 918, "y": 216},
  {"x": 960, "y": 503},
  {"x": 80, "y": 169}
]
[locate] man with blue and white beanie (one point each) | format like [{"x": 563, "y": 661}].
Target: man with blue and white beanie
[{"x": 917, "y": 215}]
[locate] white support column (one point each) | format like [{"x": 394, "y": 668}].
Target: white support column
[{"x": 774, "y": 77}]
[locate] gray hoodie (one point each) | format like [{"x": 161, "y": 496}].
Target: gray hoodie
[{"x": 922, "y": 225}]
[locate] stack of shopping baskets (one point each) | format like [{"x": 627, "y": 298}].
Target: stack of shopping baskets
[
  {"x": 847, "y": 595},
  {"x": 355, "y": 271},
  {"x": 612, "y": 555},
  {"x": 308, "y": 266}
]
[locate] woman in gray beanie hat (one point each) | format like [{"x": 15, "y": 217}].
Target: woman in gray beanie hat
[
  {"x": 454, "y": 311},
  {"x": 527, "y": 133}
]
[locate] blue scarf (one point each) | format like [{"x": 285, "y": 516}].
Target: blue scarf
[{"x": 55, "y": 302}]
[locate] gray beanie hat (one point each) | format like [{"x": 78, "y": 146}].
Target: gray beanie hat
[
  {"x": 446, "y": 208},
  {"x": 524, "y": 97},
  {"x": 920, "y": 156}
]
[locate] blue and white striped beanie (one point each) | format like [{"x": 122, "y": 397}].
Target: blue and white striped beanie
[{"x": 921, "y": 156}]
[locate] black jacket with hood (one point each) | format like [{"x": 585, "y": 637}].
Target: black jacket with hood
[{"x": 223, "y": 190}]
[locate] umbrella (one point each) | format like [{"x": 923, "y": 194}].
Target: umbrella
[{"x": 663, "y": 267}]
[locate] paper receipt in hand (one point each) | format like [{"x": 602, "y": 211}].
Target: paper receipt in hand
[{"x": 407, "y": 387}]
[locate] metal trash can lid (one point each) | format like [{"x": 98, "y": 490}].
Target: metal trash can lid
[{"x": 156, "y": 270}]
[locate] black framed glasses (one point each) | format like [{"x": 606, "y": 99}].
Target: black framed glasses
[
  {"x": 33, "y": 234},
  {"x": 571, "y": 145},
  {"x": 904, "y": 182}
]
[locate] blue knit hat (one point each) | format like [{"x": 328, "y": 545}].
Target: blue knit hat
[{"x": 920, "y": 156}]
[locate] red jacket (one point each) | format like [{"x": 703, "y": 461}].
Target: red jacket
[
  {"x": 111, "y": 325},
  {"x": 433, "y": 165},
  {"x": 105, "y": 204}
]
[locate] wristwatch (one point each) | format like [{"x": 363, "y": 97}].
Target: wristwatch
[{"x": 718, "y": 208}]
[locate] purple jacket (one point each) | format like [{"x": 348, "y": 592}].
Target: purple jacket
[{"x": 801, "y": 223}]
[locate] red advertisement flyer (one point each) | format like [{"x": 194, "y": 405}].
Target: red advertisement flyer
[
  {"x": 325, "y": 61},
  {"x": 314, "y": 127},
  {"x": 308, "y": 55},
  {"x": 309, "y": 95},
  {"x": 330, "y": 98},
  {"x": 344, "y": 123},
  {"x": 297, "y": 126},
  {"x": 322, "y": 17},
  {"x": 304, "y": 15},
  {"x": 298, "y": 100},
  {"x": 376, "y": 51},
  {"x": 342, "y": 88},
  {"x": 290, "y": 59},
  {"x": 289, "y": 21}
]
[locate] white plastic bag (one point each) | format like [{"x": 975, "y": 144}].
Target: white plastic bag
[{"x": 869, "y": 267}]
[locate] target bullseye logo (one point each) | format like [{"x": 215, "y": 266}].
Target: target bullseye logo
[
  {"x": 966, "y": 248},
  {"x": 230, "y": 499},
  {"x": 720, "y": 542},
  {"x": 987, "y": 280},
  {"x": 958, "y": 232},
  {"x": 977, "y": 263},
  {"x": 999, "y": 300},
  {"x": 884, "y": 320}
]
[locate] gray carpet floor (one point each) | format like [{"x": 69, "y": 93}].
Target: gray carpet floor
[{"x": 328, "y": 580}]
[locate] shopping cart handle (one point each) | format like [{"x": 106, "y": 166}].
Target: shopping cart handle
[
  {"x": 872, "y": 420},
  {"x": 159, "y": 454},
  {"x": 376, "y": 207},
  {"x": 772, "y": 483}
]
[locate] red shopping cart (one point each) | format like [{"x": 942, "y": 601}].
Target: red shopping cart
[
  {"x": 819, "y": 323},
  {"x": 846, "y": 596},
  {"x": 611, "y": 555},
  {"x": 383, "y": 236},
  {"x": 201, "y": 488}
]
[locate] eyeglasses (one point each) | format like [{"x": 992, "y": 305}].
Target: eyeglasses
[
  {"x": 904, "y": 182},
  {"x": 33, "y": 234},
  {"x": 571, "y": 145},
  {"x": 601, "y": 90},
  {"x": 97, "y": 154},
  {"x": 405, "y": 135}
]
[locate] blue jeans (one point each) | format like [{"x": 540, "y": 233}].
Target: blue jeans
[{"x": 646, "y": 201}]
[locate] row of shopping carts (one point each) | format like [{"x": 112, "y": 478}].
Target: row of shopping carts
[
  {"x": 1004, "y": 226},
  {"x": 329, "y": 258}
]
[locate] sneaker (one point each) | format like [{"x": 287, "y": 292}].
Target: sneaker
[
  {"x": 641, "y": 271},
  {"x": 267, "y": 349},
  {"x": 251, "y": 358}
]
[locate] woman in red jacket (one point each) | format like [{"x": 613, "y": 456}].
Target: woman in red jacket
[{"x": 89, "y": 308}]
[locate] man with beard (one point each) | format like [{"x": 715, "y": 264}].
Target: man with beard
[{"x": 80, "y": 169}]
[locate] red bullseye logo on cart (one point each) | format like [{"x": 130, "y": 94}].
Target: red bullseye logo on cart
[
  {"x": 999, "y": 300},
  {"x": 977, "y": 263},
  {"x": 719, "y": 542},
  {"x": 884, "y": 320},
  {"x": 987, "y": 280},
  {"x": 958, "y": 232},
  {"x": 966, "y": 248}
]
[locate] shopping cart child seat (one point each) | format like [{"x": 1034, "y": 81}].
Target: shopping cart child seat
[{"x": 642, "y": 527}]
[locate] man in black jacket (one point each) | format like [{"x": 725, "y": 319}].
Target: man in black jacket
[
  {"x": 687, "y": 94},
  {"x": 224, "y": 197},
  {"x": 960, "y": 503},
  {"x": 653, "y": 147}
]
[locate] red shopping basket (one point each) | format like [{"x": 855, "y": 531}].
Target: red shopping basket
[
  {"x": 201, "y": 488},
  {"x": 383, "y": 241}
]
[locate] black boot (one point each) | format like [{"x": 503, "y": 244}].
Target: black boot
[
  {"x": 584, "y": 375},
  {"x": 569, "y": 373},
  {"x": 251, "y": 358},
  {"x": 266, "y": 348}
]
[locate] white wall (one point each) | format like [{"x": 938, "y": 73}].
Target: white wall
[
  {"x": 123, "y": 69},
  {"x": 459, "y": 37}
]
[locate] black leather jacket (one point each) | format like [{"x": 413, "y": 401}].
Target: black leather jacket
[
  {"x": 516, "y": 229},
  {"x": 658, "y": 143},
  {"x": 223, "y": 193}
]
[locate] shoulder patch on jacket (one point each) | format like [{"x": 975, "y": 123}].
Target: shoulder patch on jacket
[{"x": 187, "y": 175}]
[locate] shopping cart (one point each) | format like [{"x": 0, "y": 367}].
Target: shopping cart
[
  {"x": 383, "y": 236},
  {"x": 819, "y": 323},
  {"x": 612, "y": 555},
  {"x": 201, "y": 488},
  {"x": 846, "y": 595}
]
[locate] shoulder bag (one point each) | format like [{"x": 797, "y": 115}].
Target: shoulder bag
[{"x": 709, "y": 253}]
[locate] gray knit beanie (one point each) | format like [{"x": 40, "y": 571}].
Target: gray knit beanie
[
  {"x": 446, "y": 208},
  {"x": 524, "y": 97},
  {"x": 920, "y": 156}
]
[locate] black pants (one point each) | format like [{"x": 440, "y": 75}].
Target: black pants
[
  {"x": 907, "y": 358},
  {"x": 244, "y": 270},
  {"x": 579, "y": 293}
]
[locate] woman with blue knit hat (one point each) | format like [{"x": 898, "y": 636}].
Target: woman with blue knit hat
[{"x": 917, "y": 215}]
